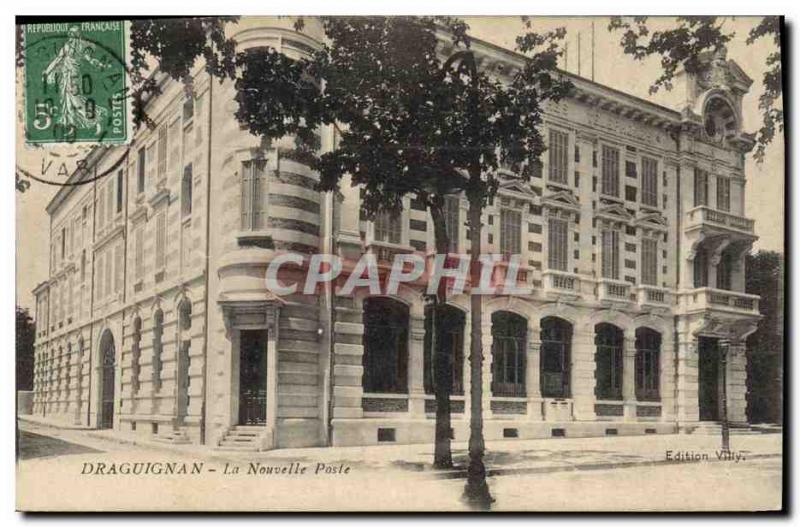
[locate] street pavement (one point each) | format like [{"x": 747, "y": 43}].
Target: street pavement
[{"x": 619, "y": 473}]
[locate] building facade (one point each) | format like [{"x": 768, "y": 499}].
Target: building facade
[{"x": 156, "y": 319}]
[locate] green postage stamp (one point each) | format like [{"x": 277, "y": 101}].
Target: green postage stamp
[{"x": 76, "y": 82}]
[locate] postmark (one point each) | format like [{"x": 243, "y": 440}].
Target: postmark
[{"x": 76, "y": 83}]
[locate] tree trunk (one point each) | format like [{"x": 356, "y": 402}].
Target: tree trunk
[
  {"x": 442, "y": 361},
  {"x": 476, "y": 492}
]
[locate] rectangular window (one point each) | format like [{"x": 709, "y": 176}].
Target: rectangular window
[
  {"x": 610, "y": 254},
  {"x": 253, "y": 194},
  {"x": 630, "y": 169},
  {"x": 557, "y": 243},
  {"x": 101, "y": 208},
  {"x": 700, "y": 187},
  {"x": 111, "y": 197},
  {"x": 138, "y": 252},
  {"x": 649, "y": 261},
  {"x": 510, "y": 231},
  {"x": 140, "y": 167},
  {"x": 150, "y": 165},
  {"x": 649, "y": 182},
  {"x": 174, "y": 145},
  {"x": 63, "y": 242},
  {"x": 162, "y": 153},
  {"x": 118, "y": 268},
  {"x": 452, "y": 218},
  {"x": 83, "y": 266},
  {"x": 724, "y": 193},
  {"x": 388, "y": 227},
  {"x": 186, "y": 191},
  {"x": 188, "y": 108},
  {"x": 100, "y": 276},
  {"x": 558, "y": 156},
  {"x": 120, "y": 187},
  {"x": 109, "y": 276},
  {"x": 161, "y": 239},
  {"x": 610, "y": 171}
]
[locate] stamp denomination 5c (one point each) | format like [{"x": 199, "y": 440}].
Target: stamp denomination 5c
[{"x": 76, "y": 83}]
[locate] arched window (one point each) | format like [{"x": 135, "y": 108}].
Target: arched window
[
  {"x": 555, "y": 357},
  {"x": 158, "y": 332},
  {"x": 608, "y": 340},
  {"x": 647, "y": 364},
  {"x": 385, "y": 346},
  {"x": 184, "y": 361},
  {"x": 136, "y": 352},
  {"x": 509, "y": 335},
  {"x": 450, "y": 331},
  {"x": 68, "y": 379}
]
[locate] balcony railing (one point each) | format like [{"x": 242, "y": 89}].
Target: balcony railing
[
  {"x": 560, "y": 281},
  {"x": 719, "y": 299},
  {"x": 703, "y": 215},
  {"x": 614, "y": 290},
  {"x": 649, "y": 295}
]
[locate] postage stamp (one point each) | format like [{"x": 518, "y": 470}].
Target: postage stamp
[{"x": 76, "y": 82}]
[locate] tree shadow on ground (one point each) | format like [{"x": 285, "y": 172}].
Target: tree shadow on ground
[{"x": 31, "y": 446}]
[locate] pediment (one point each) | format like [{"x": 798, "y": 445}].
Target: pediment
[
  {"x": 516, "y": 187},
  {"x": 614, "y": 212},
  {"x": 562, "y": 199},
  {"x": 652, "y": 220}
]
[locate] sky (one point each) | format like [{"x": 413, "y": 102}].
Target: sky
[{"x": 764, "y": 194}]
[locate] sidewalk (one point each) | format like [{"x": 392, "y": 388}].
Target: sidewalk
[{"x": 502, "y": 457}]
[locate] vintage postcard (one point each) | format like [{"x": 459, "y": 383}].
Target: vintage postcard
[{"x": 411, "y": 263}]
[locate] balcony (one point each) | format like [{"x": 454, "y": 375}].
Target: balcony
[
  {"x": 709, "y": 299},
  {"x": 561, "y": 282},
  {"x": 613, "y": 290},
  {"x": 706, "y": 218},
  {"x": 652, "y": 296}
]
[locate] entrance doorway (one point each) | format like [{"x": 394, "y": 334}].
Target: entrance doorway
[
  {"x": 107, "y": 380},
  {"x": 708, "y": 378},
  {"x": 253, "y": 377}
]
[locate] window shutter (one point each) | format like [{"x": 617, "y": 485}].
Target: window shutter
[
  {"x": 162, "y": 152},
  {"x": 649, "y": 262},
  {"x": 109, "y": 261},
  {"x": 610, "y": 171},
  {"x": 610, "y": 256},
  {"x": 247, "y": 198},
  {"x": 118, "y": 268},
  {"x": 723, "y": 193},
  {"x": 558, "y": 156},
  {"x": 139, "y": 254},
  {"x": 557, "y": 244},
  {"x": 259, "y": 194},
  {"x": 161, "y": 239},
  {"x": 649, "y": 182}
]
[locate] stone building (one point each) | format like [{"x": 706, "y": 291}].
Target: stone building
[{"x": 156, "y": 320}]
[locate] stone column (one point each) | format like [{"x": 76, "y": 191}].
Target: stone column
[
  {"x": 737, "y": 383},
  {"x": 629, "y": 377},
  {"x": 686, "y": 405},
  {"x": 666, "y": 381},
  {"x": 272, "y": 383},
  {"x": 582, "y": 381},
  {"x": 416, "y": 367},
  {"x": 532, "y": 376}
]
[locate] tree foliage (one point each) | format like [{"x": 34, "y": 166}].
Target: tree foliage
[
  {"x": 683, "y": 45},
  {"x": 175, "y": 44},
  {"x": 25, "y": 332},
  {"x": 406, "y": 124}
]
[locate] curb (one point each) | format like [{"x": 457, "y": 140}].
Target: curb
[
  {"x": 462, "y": 473},
  {"x": 451, "y": 474}
]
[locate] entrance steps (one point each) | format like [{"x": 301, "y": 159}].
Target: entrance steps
[
  {"x": 715, "y": 428},
  {"x": 173, "y": 437},
  {"x": 245, "y": 438}
]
